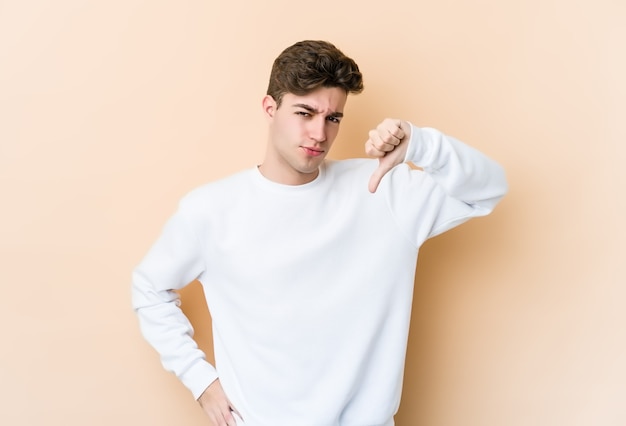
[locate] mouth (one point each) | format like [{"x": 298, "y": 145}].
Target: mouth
[{"x": 313, "y": 152}]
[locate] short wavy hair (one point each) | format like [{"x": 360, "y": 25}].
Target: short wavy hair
[{"x": 309, "y": 65}]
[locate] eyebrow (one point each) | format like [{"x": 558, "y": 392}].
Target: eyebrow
[{"x": 316, "y": 111}]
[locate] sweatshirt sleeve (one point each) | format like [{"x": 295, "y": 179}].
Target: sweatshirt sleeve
[
  {"x": 173, "y": 261},
  {"x": 456, "y": 182}
]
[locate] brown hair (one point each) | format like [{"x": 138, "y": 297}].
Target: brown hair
[{"x": 309, "y": 65}]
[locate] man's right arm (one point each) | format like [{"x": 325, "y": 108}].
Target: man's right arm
[{"x": 172, "y": 262}]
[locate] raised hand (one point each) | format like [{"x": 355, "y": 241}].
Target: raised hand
[{"x": 387, "y": 142}]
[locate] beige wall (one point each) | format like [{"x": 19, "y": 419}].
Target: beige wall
[{"x": 111, "y": 110}]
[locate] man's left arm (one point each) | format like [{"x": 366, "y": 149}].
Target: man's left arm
[{"x": 464, "y": 182}]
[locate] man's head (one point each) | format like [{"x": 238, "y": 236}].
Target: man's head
[
  {"x": 309, "y": 85},
  {"x": 309, "y": 65}
]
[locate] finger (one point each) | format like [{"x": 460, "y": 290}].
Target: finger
[
  {"x": 372, "y": 151},
  {"x": 394, "y": 127},
  {"x": 234, "y": 410},
  {"x": 383, "y": 140},
  {"x": 377, "y": 176},
  {"x": 392, "y": 137},
  {"x": 391, "y": 131},
  {"x": 229, "y": 419},
  {"x": 221, "y": 415}
]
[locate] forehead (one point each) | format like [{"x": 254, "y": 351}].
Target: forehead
[{"x": 324, "y": 99}]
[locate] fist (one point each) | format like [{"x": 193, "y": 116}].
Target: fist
[
  {"x": 385, "y": 137},
  {"x": 387, "y": 142}
]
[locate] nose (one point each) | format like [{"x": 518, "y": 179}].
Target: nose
[{"x": 317, "y": 129}]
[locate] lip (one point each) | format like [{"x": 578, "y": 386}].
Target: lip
[{"x": 313, "y": 152}]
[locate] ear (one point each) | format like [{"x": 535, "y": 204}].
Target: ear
[{"x": 269, "y": 106}]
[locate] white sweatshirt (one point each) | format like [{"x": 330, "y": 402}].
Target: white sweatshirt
[{"x": 309, "y": 287}]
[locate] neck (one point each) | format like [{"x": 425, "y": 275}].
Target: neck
[{"x": 291, "y": 177}]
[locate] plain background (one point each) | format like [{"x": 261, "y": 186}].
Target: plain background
[{"x": 110, "y": 111}]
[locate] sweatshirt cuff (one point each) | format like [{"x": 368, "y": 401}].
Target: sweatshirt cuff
[
  {"x": 420, "y": 146},
  {"x": 199, "y": 377}
]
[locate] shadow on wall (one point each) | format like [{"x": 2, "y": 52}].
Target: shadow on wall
[
  {"x": 456, "y": 272},
  {"x": 195, "y": 307}
]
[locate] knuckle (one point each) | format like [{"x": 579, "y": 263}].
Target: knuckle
[{"x": 396, "y": 132}]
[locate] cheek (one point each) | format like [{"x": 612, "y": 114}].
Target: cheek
[
  {"x": 285, "y": 132},
  {"x": 332, "y": 130},
  {"x": 293, "y": 128}
]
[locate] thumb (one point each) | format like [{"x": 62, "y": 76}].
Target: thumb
[{"x": 377, "y": 176}]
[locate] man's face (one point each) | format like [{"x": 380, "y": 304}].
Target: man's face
[{"x": 302, "y": 130}]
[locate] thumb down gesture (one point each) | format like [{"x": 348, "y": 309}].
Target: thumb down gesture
[{"x": 387, "y": 142}]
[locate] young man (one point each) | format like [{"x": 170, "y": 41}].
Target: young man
[{"x": 308, "y": 264}]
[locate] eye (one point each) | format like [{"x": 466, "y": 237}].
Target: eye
[
  {"x": 303, "y": 113},
  {"x": 334, "y": 119}
]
